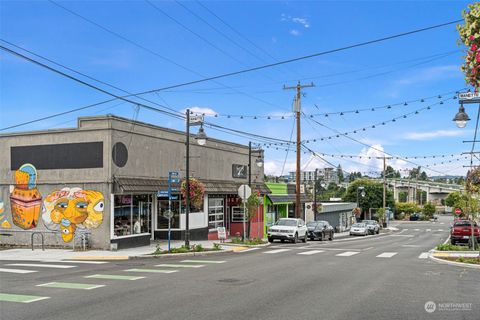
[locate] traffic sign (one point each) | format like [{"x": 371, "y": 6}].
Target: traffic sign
[
  {"x": 468, "y": 95},
  {"x": 244, "y": 191},
  {"x": 174, "y": 180},
  {"x": 196, "y": 119},
  {"x": 458, "y": 211},
  {"x": 162, "y": 193},
  {"x": 173, "y": 174},
  {"x": 173, "y": 198}
]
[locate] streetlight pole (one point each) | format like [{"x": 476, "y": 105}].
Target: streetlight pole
[{"x": 363, "y": 195}]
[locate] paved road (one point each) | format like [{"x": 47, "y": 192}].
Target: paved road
[{"x": 376, "y": 277}]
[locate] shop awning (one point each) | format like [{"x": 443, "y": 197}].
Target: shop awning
[
  {"x": 129, "y": 184},
  {"x": 288, "y": 198}
]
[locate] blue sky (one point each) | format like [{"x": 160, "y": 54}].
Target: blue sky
[{"x": 409, "y": 68}]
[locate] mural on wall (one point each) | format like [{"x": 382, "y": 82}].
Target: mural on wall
[
  {"x": 71, "y": 208},
  {"x": 3, "y": 219},
  {"x": 25, "y": 200}
]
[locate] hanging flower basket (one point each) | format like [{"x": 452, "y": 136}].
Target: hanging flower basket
[
  {"x": 197, "y": 190},
  {"x": 470, "y": 37}
]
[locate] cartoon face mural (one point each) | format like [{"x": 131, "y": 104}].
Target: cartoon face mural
[
  {"x": 25, "y": 200},
  {"x": 71, "y": 208},
  {"x": 3, "y": 219}
]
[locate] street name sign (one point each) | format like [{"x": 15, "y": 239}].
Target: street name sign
[
  {"x": 468, "y": 95},
  {"x": 196, "y": 119}
]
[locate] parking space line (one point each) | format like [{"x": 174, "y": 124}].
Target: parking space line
[
  {"x": 56, "y": 266},
  {"x": 20, "y": 298},
  {"x": 17, "y": 270},
  {"x": 387, "y": 254},
  {"x": 164, "y": 265},
  {"x": 70, "y": 285},
  {"x": 151, "y": 270},
  {"x": 113, "y": 277},
  {"x": 277, "y": 251},
  {"x": 203, "y": 261},
  {"x": 308, "y": 253},
  {"x": 347, "y": 254}
]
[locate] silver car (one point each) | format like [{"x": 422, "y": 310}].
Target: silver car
[
  {"x": 372, "y": 226},
  {"x": 359, "y": 229}
]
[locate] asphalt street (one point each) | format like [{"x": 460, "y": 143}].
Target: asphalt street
[{"x": 386, "y": 276}]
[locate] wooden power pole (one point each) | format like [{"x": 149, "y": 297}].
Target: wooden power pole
[{"x": 297, "y": 109}]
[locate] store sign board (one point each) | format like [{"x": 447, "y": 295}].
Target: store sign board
[
  {"x": 468, "y": 95},
  {"x": 222, "y": 233}
]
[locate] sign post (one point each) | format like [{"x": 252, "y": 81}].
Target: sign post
[
  {"x": 173, "y": 181},
  {"x": 244, "y": 192}
]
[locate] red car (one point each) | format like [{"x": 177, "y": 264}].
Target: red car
[{"x": 461, "y": 231}]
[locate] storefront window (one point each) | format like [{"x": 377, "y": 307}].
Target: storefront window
[
  {"x": 162, "y": 219},
  {"x": 237, "y": 214},
  {"x": 132, "y": 214},
  {"x": 122, "y": 215},
  {"x": 142, "y": 214},
  {"x": 216, "y": 212}
]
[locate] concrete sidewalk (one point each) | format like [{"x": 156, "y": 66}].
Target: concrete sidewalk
[{"x": 68, "y": 254}]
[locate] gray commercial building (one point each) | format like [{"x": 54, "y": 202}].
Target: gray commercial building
[{"x": 107, "y": 179}]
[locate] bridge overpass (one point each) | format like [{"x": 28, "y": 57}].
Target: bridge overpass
[{"x": 436, "y": 191}]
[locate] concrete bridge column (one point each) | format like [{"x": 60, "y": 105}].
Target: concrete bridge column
[{"x": 428, "y": 194}]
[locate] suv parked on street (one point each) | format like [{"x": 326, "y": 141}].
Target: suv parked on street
[
  {"x": 320, "y": 230},
  {"x": 288, "y": 229},
  {"x": 461, "y": 232},
  {"x": 372, "y": 226}
]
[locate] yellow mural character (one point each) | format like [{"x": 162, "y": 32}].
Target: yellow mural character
[
  {"x": 25, "y": 200},
  {"x": 72, "y": 208}
]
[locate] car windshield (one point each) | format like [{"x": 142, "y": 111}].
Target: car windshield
[
  {"x": 463, "y": 224},
  {"x": 359, "y": 225},
  {"x": 285, "y": 222},
  {"x": 312, "y": 224},
  {"x": 368, "y": 221}
]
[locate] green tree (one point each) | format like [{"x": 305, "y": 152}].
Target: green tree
[
  {"x": 453, "y": 199},
  {"x": 428, "y": 210},
  {"x": 402, "y": 196},
  {"x": 373, "y": 194},
  {"x": 391, "y": 173},
  {"x": 406, "y": 207}
]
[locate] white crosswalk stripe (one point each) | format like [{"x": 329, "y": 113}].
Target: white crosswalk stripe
[
  {"x": 83, "y": 261},
  {"x": 416, "y": 229},
  {"x": 277, "y": 251},
  {"x": 387, "y": 254},
  {"x": 428, "y": 230},
  {"x": 247, "y": 250},
  {"x": 56, "y": 266},
  {"x": 439, "y": 229},
  {"x": 347, "y": 253},
  {"x": 308, "y": 253},
  {"x": 16, "y": 270},
  {"x": 423, "y": 255},
  {"x": 405, "y": 229},
  {"x": 203, "y": 261}
]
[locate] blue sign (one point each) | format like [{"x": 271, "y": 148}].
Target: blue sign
[
  {"x": 173, "y": 174},
  {"x": 174, "y": 180},
  {"x": 162, "y": 194},
  {"x": 173, "y": 198}
]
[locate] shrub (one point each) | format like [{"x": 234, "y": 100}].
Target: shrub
[
  {"x": 450, "y": 247},
  {"x": 216, "y": 247},
  {"x": 198, "y": 248}
]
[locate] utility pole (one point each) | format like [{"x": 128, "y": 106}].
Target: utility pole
[
  {"x": 315, "y": 195},
  {"x": 384, "y": 183},
  {"x": 297, "y": 109}
]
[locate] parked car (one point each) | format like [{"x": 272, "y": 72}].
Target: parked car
[
  {"x": 288, "y": 229},
  {"x": 372, "y": 226},
  {"x": 461, "y": 231},
  {"x": 320, "y": 230},
  {"x": 359, "y": 229}
]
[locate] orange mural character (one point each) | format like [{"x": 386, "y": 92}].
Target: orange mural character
[
  {"x": 25, "y": 200},
  {"x": 72, "y": 208}
]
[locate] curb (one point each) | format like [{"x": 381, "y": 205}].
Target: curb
[
  {"x": 86, "y": 258},
  {"x": 245, "y": 245},
  {"x": 186, "y": 254},
  {"x": 454, "y": 263}
]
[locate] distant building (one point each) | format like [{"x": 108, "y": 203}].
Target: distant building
[{"x": 326, "y": 175}]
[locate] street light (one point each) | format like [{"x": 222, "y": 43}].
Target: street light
[
  {"x": 461, "y": 117},
  {"x": 201, "y": 138},
  {"x": 362, "y": 194}
]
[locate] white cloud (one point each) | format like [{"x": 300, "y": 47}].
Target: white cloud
[
  {"x": 302, "y": 21},
  {"x": 294, "y": 32},
  {"x": 209, "y": 112},
  {"x": 371, "y": 161},
  {"x": 429, "y": 135},
  {"x": 273, "y": 167},
  {"x": 432, "y": 74}
]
